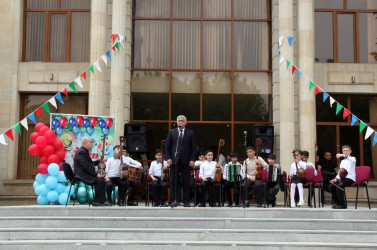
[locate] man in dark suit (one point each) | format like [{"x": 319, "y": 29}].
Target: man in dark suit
[
  {"x": 84, "y": 170},
  {"x": 180, "y": 152}
]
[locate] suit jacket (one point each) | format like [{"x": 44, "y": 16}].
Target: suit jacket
[
  {"x": 186, "y": 151},
  {"x": 84, "y": 166}
]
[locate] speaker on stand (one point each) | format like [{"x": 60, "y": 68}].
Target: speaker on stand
[
  {"x": 136, "y": 137},
  {"x": 266, "y": 134}
]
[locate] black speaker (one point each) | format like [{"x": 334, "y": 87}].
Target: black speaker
[
  {"x": 136, "y": 137},
  {"x": 266, "y": 134}
]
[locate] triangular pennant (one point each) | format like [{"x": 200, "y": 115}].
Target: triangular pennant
[
  {"x": 114, "y": 36},
  {"x": 306, "y": 80},
  {"x": 288, "y": 63},
  {"x": 78, "y": 81},
  {"x": 368, "y": 133},
  {"x": 281, "y": 40},
  {"x": 117, "y": 46},
  {"x": 332, "y": 100},
  {"x": 108, "y": 54},
  {"x": 299, "y": 73},
  {"x": 9, "y": 133},
  {"x": 83, "y": 75},
  {"x": 59, "y": 97},
  {"x": 290, "y": 40},
  {"x": 97, "y": 66},
  {"x": 354, "y": 120},
  {"x": 73, "y": 87},
  {"x": 282, "y": 59},
  {"x": 24, "y": 123},
  {"x": 374, "y": 139},
  {"x": 362, "y": 126},
  {"x": 91, "y": 68},
  {"x": 53, "y": 102},
  {"x": 120, "y": 39},
  {"x": 113, "y": 48},
  {"x": 317, "y": 89},
  {"x": 39, "y": 112},
  {"x": 32, "y": 118},
  {"x": 45, "y": 107},
  {"x": 104, "y": 58},
  {"x": 338, "y": 108},
  {"x": 325, "y": 96},
  {"x": 18, "y": 128},
  {"x": 64, "y": 91},
  {"x": 345, "y": 113},
  {"x": 312, "y": 84},
  {"x": 2, "y": 140},
  {"x": 293, "y": 69}
]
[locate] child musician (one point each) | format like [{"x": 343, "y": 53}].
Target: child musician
[
  {"x": 229, "y": 185},
  {"x": 271, "y": 159},
  {"x": 198, "y": 197},
  {"x": 160, "y": 187},
  {"x": 295, "y": 181},
  {"x": 349, "y": 164},
  {"x": 207, "y": 175}
]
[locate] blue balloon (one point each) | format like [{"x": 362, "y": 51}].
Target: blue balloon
[
  {"x": 42, "y": 200},
  {"x": 43, "y": 190},
  {"x": 35, "y": 184},
  {"x": 60, "y": 188},
  {"x": 81, "y": 193},
  {"x": 72, "y": 190},
  {"x": 76, "y": 130},
  {"x": 51, "y": 182},
  {"x": 61, "y": 177},
  {"x": 41, "y": 178},
  {"x": 72, "y": 122},
  {"x": 63, "y": 198},
  {"x": 59, "y": 131},
  {"x": 37, "y": 190},
  {"x": 101, "y": 123},
  {"x": 53, "y": 169},
  {"x": 55, "y": 123},
  {"x": 86, "y": 123},
  {"x": 106, "y": 130},
  {"x": 52, "y": 195},
  {"x": 90, "y": 130}
]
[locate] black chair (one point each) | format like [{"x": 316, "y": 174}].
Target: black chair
[{"x": 72, "y": 180}]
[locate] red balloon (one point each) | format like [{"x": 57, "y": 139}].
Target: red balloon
[
  {"x": 48, "y": 150},
  {"x": 41, "y": 141},
  {"x": 43, "y": 159},
  {"x": 61, "y": 154},
  {"x": 34, "y": 136},
  {"x": 33, "y": 149},
  {"x": 53, "y": 159},
  {"x": 79, "y": 121},
  {"x": 109, "y": 122},
  {"x": 58, "y": 145},
  {"x": 63, "y": 122},
  {"x": 42, "y": 168},
  {"x": 38, "y": 126},
  {"x": 43, "y": 130},
  {"x": 50, "y": 135},
  {"x": 93, "y": 121}
]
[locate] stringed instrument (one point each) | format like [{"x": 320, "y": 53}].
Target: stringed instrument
[
  {"x": 342, "y": 171},
  {"x": 218, "y": 173},
  {"x": 102, "y": 166},
  {"x": 300, "y": 172},
  {"x": 165, "y": 175},
  {"x": 259, "y": 175},
  {"x": 124, "y": 173}
]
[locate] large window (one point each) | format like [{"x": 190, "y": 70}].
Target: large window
[
  {"x": 346, "y": 31},
  {"x": 56, "y": 30},
  {"x": 207, "y": 59}
]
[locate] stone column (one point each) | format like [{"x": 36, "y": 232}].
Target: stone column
[
  {"x": 97, "y": 89},
  {"x": 118, "y": 70},
  {"x": 307, "y": 126},
  {"x": 287, "y": 121}
]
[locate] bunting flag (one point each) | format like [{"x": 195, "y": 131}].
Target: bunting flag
[
  {"x": 2, "y": 140},
  {"x": 282, "y": 59},
  {"x": 59, "y": 97},
  {"x": 338, "y": 108},
  {"x": 368, "y": 133},
  {"x": 293, "y": 69},
  {"x": 108, "y": 54},
  {"x": 114, "y": 36},
  {"x": 64, "y": 91},
  {"x": 281, "y": 40},
  {"x": 354, "y": 120},
  {"x": 73, "y": 87},
  {"x": 9, "y": 133},
  {"x": 120, "y": 38},
  {"x": 345, "y": 113},
  {"x": 113, "y": 48},
  {"x": 325, "y": 96},
  {"x": 332, "y": 100},
  {"x": 18, "y": 128},
  {"x": 290, "y": 40},
  {"x": 362, "y": 126},
  {"x": 53, "y": 102},
  {"x": 32, "y": 118},
  {"x": 317, "y": 89},
  {"x": 299, "y": 73},
  {"x": 117, "y": 46},
  {"x": 312, "y": 84},
  {"x": 91, "y": 68},
  {"x": 97, "y": 66},
  {"x": 39, "y": 112},
  {"x": 288, "y": 63},
  {"x": 104, "y": 58},
  {"x": 83, "y": 75},
  {"x": 78, "y": 81},
  {"x": 45, "y": 107},
  {"x": 374, "y": 140},
  {"x": 306, "y": 80},
  {"x": 24, "y": 123}
]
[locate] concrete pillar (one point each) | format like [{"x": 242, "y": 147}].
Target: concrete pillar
[
  {"x": 119, "y": 85},
  {"x": 97, "y": 89},
  {"x": 287, "y": 122},
  {"x": 307, "y": 120}
]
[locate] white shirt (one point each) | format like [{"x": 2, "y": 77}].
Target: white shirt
[
  {"x": 155, "y": 169},
  {"x": 225, "y": 169},
  {"x": 349, "y": 163},
  {"x": 127, "y": 160},
  {"x": 113, "y": 167},
  {"x": 183, "y": 132},
  {"x": 300, "y": 164},
  {"x": 207, "y": 169},
  {"x": 197, "y": 164}
]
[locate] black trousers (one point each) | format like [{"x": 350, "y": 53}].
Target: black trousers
[
  {"x": 184, "y": 170},
  {"x": 204, "y": 185},
  {"x": 228, "y": 187},
  {"x": 160, "y": 190},
  {"x": 275, "y": 190},
  {"x": 259, "y": 192},
  {"x": 134, "y": 186},
  {"x": 99, "y": 187},
  {"x": 123, "y": 185},
  {"x": 337, "y": 194}
]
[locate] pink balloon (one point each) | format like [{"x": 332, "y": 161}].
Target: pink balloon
[
  {"x": 58, "y": 145},
  {"x": 34, "y": 136},
  {"x": 109, "y": 122},
  {"x": 41, "y": 141},
  {"x": 50, "y": 135},
  {"x": 63, "y": 122},
  {"x": 33, "y": 149},
  {"x": 48, "y": 150},
  {"x": 43, "y": 130},
  {"x": 61, "y": 154},
  {"x": 42, "y": 168},
  {"x": 43, "y": 159},
  {"x": 53, "y": 159},
  {"x": 38, "y": 126}
]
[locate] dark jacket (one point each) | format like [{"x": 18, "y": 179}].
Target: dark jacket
[
  {"x": 84, "y": 166},
  {"x": 186, "y": 151}
]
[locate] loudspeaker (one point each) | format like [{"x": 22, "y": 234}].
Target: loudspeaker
[
  {"x": 266, "y": 134},
  {"x": 136, "y": 137}
]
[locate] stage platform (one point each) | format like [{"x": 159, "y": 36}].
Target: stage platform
[{"x": 83, "y": 227}]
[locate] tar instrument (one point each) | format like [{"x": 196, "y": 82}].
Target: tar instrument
[
  {"x": 300, "y": 172},
  {"x": 259, "y": 165},
  {"x": 272, "y": 173},
  {"x": 102, "y": 166},
  {"x": 124, "y": 174},
  {"x": 218, "y": 169},
  {"x": 165, "y": 175},
  {"x": 232, "y": 172},
  {"x": 343, "y": 173}
]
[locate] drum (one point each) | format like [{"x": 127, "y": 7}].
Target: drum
[
  {"x": 135, "y": 174},
  {"x": 272, "y": 173},
  {"x": 233, "y": 173}
]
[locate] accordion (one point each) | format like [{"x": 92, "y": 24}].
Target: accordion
[
  {"x": 233, "y": 173},
  {"x": 272, "y": 173}
]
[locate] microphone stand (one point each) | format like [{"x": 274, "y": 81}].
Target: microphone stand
[
  {"x": 175, "y": 203},
  {"x": 245, "y": 173}
]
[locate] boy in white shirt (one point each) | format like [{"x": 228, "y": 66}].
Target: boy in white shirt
[
  {"x": 237, "y": 178},
  {"x": 295, "y": 181},
  {"x": 160, "y": 188}
]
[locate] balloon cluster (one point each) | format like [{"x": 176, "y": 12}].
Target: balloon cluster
[{"x": 79, "y": 122}]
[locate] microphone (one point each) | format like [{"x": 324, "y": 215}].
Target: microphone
[
  {"x": 180, "y": 126},
  {"x": 245, "y": 132}
]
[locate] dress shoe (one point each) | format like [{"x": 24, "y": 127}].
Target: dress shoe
[
  {"x": 164, "y": 205},
  {"x": 174, "y": 204},
  {"x": 247, "y": 203},
  {"x": 341, "y": 207},
  {"x": 121, "y": 203},
  {"x": 212, "y": 204},
  {"x": 156, "y": 204},
  {"x": 132, "y": 204},
  {"x": 229, "y": 205},
  {"x": 98, "y": 204},
  {"x": 186, "y": 204},
  {"x": 109, "y": 204},
  {"x": 201, "y": 204}
]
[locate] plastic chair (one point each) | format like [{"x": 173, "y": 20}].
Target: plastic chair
[{"x": 362, "y": 179}]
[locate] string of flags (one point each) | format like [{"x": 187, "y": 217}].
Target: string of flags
[
  {"x": 72, "y": 85},
  {"x": 312, "y": 84}
]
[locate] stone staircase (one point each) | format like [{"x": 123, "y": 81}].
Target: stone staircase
[{"x": 83, "y": 227}]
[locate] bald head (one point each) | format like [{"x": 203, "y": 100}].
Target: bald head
[{"x": 87, "y": 143}]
